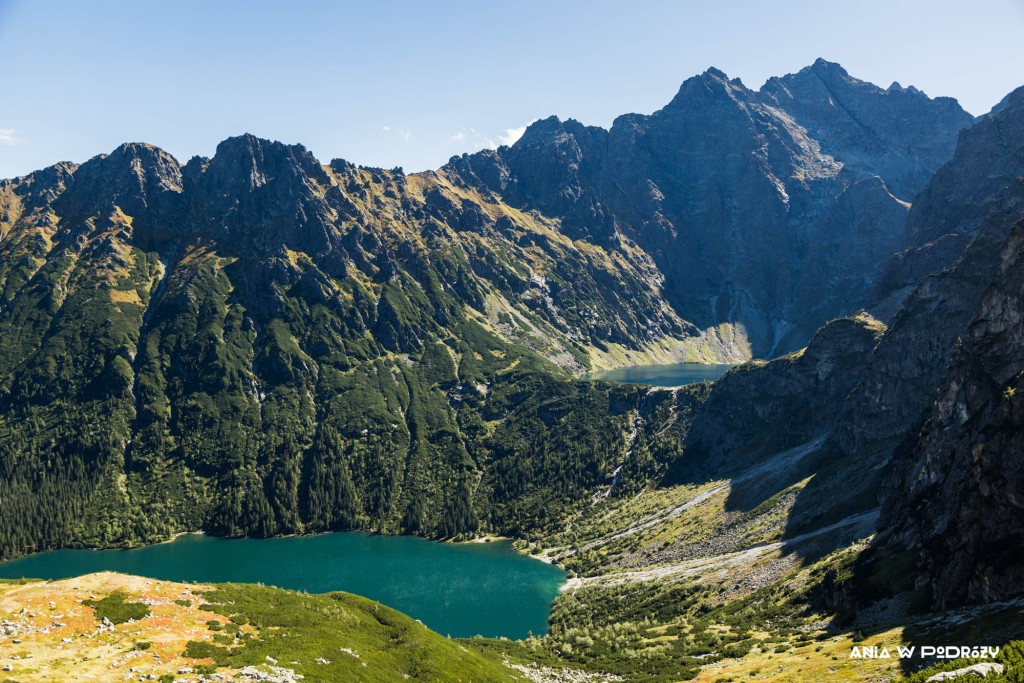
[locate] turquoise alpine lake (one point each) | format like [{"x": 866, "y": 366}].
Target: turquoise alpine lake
[
  {"x": 669, "y": 375},
  {"x": 456, "y": 589}
]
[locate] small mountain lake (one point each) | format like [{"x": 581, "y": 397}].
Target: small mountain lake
[
  {"x": 669, "y": 375},
  {"x": 459, "y": 590}
]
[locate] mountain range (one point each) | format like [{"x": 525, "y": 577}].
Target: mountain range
[{"x": 261, "y": 344}]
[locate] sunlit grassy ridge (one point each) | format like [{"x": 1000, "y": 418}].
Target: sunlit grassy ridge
[{"x": 180, "y": 631}]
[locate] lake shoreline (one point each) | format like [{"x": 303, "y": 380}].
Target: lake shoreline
[
  {"x": 483, "y": 585},
  {"x": 661, "y": 376}
]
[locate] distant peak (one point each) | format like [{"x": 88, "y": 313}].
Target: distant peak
[
  {"x": 713, "y": 82},
  {"x": 133, "y": 176},
  {"x": 541, "y": 129},
  {"x": 138, "y": 159},
  {"x": 821, "y": 73},
  {"x": 137, "y": 148},
  {"x": 829, "y": 72},
  {"x": 262, "y": 158},
  {"x": 713, "y": 72},
  {"x": 251, "y": 143},
  {"x": 545, "y": 124},
  {"x": 142, "y": 151},
  {"x": 896, "y": 87},
  {"x": 821, "y": 64}
]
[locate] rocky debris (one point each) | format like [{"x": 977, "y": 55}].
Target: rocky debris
[
  {"x": 272, "y": 674},
  {"x": 982, "y": 670},
  {"x": 547, "y": 674},
  {"x": 22, "y": 626},
  {"x": 12, "y": 628}
]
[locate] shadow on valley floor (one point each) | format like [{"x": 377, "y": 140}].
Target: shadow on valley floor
[{"x": 823, "y": 495}]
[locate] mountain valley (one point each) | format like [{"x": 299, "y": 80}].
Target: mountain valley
[{"x": 258, "y": 344}]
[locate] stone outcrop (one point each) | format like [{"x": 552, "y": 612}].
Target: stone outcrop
[{"x": 763, "y": 408}]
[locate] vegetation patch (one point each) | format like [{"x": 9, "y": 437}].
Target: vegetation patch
[{"x": 116, "y": 609}]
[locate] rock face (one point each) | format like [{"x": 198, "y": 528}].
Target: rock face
[
  {"x": 771, "y": 211},
  {"x": 980, "y": 180},
  {"x": 923, "y": 416},
  {"x": 982, "y": 195},
  {"x": 960, "y": 501},
  {"x": 891, "y": 132},
  {"x": 937, "y": 407},
  {"x": 764, "y": 408}
]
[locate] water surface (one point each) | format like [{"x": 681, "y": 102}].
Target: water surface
[
  {"x": 669, "y": 375},
  {"x": 456, "y": 589}
]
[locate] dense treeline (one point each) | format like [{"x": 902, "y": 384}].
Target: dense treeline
[
  {"x": 256, "y": 344},
  {"x": 213, "y": 410}
]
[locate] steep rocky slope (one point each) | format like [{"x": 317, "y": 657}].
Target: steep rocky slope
[
  {"x": 765, "y": 407},
  {"x": 955, "y": 499},
  {"x": 979, "y": 181},
  {"x": 961, "y": 500},
  {"x": 924, "y": 419},
  {"x": 874, "y": 474},
  {"x": 768, "y": 211},
  {"x": 968, "y": 208}
]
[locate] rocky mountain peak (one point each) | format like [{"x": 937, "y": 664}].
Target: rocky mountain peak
[
  {"x": 899, "y": 134},
  {"x": 896, "y": 87},
  {"x": 830, "y": 71},
  {"x": 822, "y": 80},
  {"x": 711, "y": 85},
  {"x": 264, "y": 193},
  {"x": 541, "y": 131},
  {"x": 135, "y": 177},
  {"x": 247, "y": 162}
]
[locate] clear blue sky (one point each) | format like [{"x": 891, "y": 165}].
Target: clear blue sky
[{"x": 412, "y": 83}]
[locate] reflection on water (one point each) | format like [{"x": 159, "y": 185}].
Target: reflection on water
[{"x": 671, "y": 375}]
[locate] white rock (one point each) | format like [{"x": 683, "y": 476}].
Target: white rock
[{"x": 982, "y": 670}]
